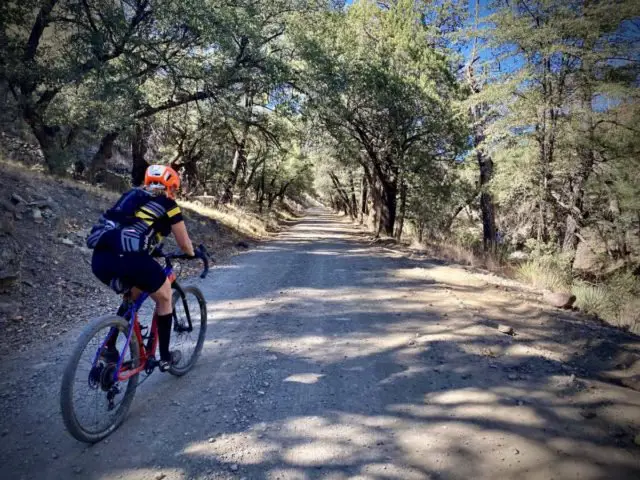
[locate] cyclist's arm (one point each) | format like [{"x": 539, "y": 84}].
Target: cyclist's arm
[{"x": 179, "y": 231}]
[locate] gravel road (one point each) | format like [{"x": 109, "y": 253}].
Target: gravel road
[{"x": 331, "y": 358}]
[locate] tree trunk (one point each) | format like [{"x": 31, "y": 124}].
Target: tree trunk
[
  {"x": 262, "y": 189},
  {"x": 139, "y": 147},
  {"x": 403, "y": 204},
  {"x": 345, "y": 200},
  {"x": 364, "y": 207},
  {"x": 354, "y": 202},
  {"x": 388, "y": 206},
  {"x": 104, "y": 153},
  {"x": 420, "y": 230},
  {"x": 485, "y": 162},
  {"x": 587, "y": 160},
  {"x": 238, "y": 168},
  {"x": 51, "y": 140}
]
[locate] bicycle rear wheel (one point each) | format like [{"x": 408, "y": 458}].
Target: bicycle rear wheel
[
  {"x": 88, "y": 412},
  {"x": 189, "y": 327}
]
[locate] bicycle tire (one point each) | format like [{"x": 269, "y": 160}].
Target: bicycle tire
[
  {"x": 68, "y": 379},
  {"x": 178, "y": 294}
]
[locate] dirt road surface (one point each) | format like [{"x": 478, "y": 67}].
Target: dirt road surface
[{"x": 327, "y": 357}]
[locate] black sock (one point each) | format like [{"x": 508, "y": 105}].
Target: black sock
[
  {"x": 113, "y": 338},
  {"x": 164, "y": 335}
]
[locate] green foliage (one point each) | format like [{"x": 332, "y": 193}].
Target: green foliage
[{"x": 255, "y": 101}]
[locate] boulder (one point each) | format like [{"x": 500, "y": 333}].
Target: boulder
[{"x": 559, "y": 299}]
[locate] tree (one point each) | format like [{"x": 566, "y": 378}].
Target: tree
[
  {"x": 558, "y": 74},
  {"x": 377, "y": 83}
]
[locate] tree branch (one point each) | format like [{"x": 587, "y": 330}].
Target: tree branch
[{"x": 42, "y": 20}]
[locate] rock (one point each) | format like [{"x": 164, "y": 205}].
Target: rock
[
  {"x": 242, "y": 244},
  {"x": 36, "y": 213},
  {"x": 15, "y": 198},
  {"x": 260, "y": 392},
  {"x": 559, "y": 299},
  {"x": 588, "y": 414},
  {"x": 160, "y": 476},
  {"x": 516, "y": 451},
  {"x": 506, "y": 329},
  {"x": 43, "y": 204},
  {"x": 234, "y": 467},
  {"x": 66, "y": 241},
  {"x": 211, "y": 440}
]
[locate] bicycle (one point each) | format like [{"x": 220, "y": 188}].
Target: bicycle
[{"x": 106, "y": 380}]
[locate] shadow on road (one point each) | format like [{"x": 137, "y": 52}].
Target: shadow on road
[{"x": 358, "y": 364}]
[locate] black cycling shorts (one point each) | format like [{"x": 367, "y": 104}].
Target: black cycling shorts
[{"x": 122, "y": 271}]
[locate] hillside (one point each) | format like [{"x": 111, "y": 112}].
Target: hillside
[{"x": 46, "y": 284}]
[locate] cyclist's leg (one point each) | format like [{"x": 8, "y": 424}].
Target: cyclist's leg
[
  {"x": 164, "y": 311},
  {"x": 147, "y": 275},
  {"x": 105, "y": 266}
]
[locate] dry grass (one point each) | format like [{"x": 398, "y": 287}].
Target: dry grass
[
  {"x": 37, "y": 173},
  {"x": 614, "y": 307},
  {"x": 544, "y": 275},
  {"x": 245, "y": 222},
  {"x": 463, "y": 255}
]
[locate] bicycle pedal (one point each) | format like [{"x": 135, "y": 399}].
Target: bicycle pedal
[{"x": 151, "y": 365}]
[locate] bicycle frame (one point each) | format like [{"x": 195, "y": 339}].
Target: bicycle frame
[{"x": 121, "y": 374}]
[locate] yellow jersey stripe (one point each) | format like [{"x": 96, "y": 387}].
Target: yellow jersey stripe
[
  {"x": 146, "y": 218},
  {"x": 173, "y": 212},
  {"x": 148, "y": 212}
]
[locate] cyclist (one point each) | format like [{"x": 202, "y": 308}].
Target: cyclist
[{"x": 123, "y": 240}]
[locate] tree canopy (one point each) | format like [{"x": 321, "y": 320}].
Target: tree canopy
[{"x": 510, "y": 123}]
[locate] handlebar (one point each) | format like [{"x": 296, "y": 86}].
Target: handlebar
[{"x": 200, "y": 253}]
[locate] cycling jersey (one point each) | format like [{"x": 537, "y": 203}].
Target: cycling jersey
[{"x": 136, "y": 223}]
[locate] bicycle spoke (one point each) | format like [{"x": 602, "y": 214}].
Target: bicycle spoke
[{"x": 91, "y": 402}]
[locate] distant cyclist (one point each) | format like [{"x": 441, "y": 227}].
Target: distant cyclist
[{"x": 123, "y": 240}]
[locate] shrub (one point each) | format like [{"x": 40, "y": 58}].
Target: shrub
[
  {"x": 546, "y": 272},
  {"x": 617, "y": 301}
]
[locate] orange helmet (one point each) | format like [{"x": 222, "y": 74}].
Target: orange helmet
[{"x": 161, "y": 177}]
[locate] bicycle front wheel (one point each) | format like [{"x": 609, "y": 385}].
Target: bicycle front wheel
[
  {"x": 93, "y": 405},
  {"x": 189, "y": 327}
]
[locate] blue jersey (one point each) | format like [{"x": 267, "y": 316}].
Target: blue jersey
[{"x": 136, "y": 222}]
